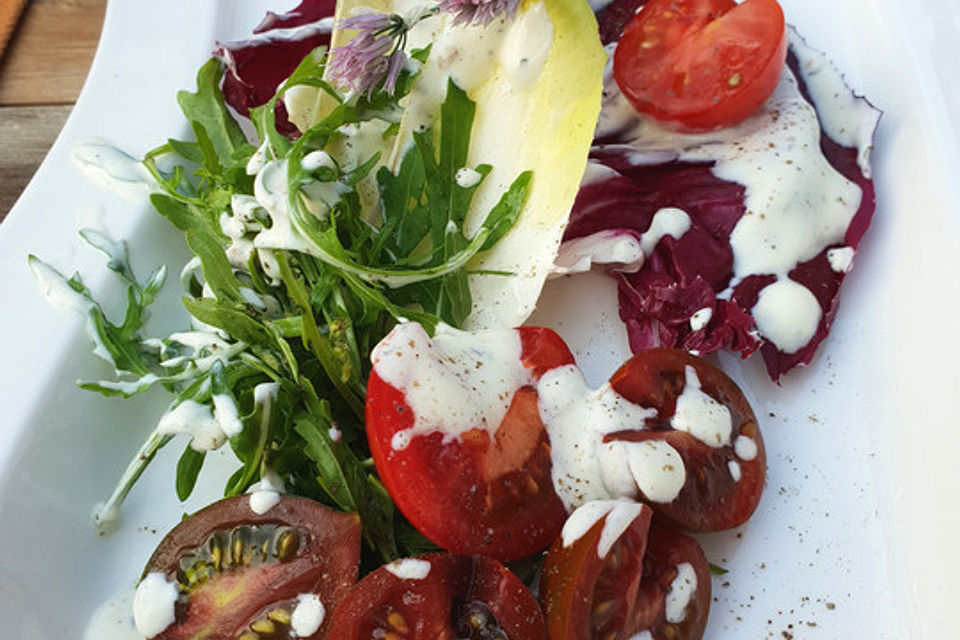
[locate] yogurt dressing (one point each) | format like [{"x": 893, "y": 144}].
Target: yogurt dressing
[
  {"x": 455, "y": 382},
  {"x": 584, "y": 468},
  {"x": 618, "y": 515},
  {"x": 681, "y": 592}
]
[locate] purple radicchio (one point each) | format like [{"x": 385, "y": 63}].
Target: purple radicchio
[
  {"x": 685, "y": 295},
  {"x": 257, "y": 65}
]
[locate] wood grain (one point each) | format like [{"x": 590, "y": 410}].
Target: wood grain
[
  {"x": 34, "y": 129},
  {"x": 48, "y": 58},
  {"x": 41, "y": 74}
]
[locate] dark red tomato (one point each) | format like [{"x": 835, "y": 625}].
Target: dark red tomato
[
  {"x": 587, "y": 596},
  {"x": 240, "y": 572},
  {"x": 722, "y": 489},
  {"x": 631, "y": 589},
  {"x": 440, "y": 597},
  {"x": 475, "y": 494},
  {"x": 674, "y": 598},
  {"x": 701, "y": 64}
]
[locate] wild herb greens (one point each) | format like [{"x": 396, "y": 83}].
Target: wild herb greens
[{"x": 278, "y": 355}]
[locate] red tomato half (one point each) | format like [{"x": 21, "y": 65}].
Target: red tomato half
[
  {"x": 475, "y": 494},
  {"x": 445, "y": 596},
  {"x": 722, "y": 489},
  {"x": 651, "y": 579},
  {"x": 701, "y": 64},
  {"x": 239, "y": 571}
]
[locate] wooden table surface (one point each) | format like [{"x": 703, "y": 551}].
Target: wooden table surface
[{"x": 41, "y": 74}]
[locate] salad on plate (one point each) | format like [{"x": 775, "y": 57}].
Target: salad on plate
[{"x": 374, "y": 196}]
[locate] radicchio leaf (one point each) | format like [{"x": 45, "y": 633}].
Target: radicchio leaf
[
  {"x": 694, "y": 272},
  {"x": 256, "y": 66}
]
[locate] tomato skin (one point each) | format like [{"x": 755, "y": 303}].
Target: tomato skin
[
  {"x": 699, "y": 65},
  {"x": 711, "y": 499},
  {"x": 475, "y": 494},
  {"x": 222, "y": 607},
  {"x": 428, "y": 608},
  {"x": 576, "y": 582}
]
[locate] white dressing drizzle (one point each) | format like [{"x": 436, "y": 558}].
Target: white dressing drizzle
[
  {"x": 700, "y": 415},
  {"x": 153, "y": 604},
  {"x": 735, "y": 472},
  {"x": 307, "y": 616},
  {"x": 787, "y": 314},
  {"x": 845, "y": 117},
  {"x": 110, "y": 168},
  {"x": 409, "y": 568},
  {"x": 618, "y": 513},
  {"x": 668, "y": 221},
  {"x": 841, "y": 259},
  {"x": 701, "y": 318},
  {"x": 57, "y": 292},
  {"x": 745, "y": 448},
  {"x": 195, "y": 420},
  {"x": 584, "y": 468},
  {"x": 265, "y": 494},
  {"x": 113, "y": 620},
  {"x": 467, "y": 177},
  {"x": 681, "y": 592},
  {"x": 653, "y": 467},
  {"x": 226, "y": 414},
  {"x": 454, "y": 382}
]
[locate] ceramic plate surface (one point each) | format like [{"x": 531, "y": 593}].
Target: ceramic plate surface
[{"x": 856, "y": 533}]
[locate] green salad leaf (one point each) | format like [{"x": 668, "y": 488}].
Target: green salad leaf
[{"x": 297, "y": 274}]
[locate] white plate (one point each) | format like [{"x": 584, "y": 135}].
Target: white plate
[{"x": 855, "y": 536}]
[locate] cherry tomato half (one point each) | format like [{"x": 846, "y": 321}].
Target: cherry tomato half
[
  {"x": 701, "y": 64},
  {"x": 724, "y": 476},
  {"x": 241, "y": 572},
  {"x": 475, "y": 493},
  {"x": 647, "y": 579},
  {"x": 437, "y": 597}
]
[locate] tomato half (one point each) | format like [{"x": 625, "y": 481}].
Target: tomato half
[
  {"x": 474, "y": 493},
  {"x": 724, "y": 481},
  {"x": 701, "y": 64},
  {"x": 239, "y": 572},
  {"x": 586, "y": 595},
  {"x": 674, "y": 598},
  {"x": 650, "y": 579},
  {"x": 439, "y": 597}
]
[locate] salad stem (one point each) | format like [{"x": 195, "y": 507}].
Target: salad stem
[{"x": 106, "y": 515}]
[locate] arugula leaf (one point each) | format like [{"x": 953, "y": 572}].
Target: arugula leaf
[
  {"x": 216, "y": 268},
  {"x": 346, "y": 482},
  {"x": 206, "y": 110},
  {"x": 188, "y": 468}
]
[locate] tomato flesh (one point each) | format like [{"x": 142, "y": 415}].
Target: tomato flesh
[
  {"x": 699, "y": 65},
  {"x": 464, "y": 597},
  {"x": 637, "y": 586},
  {"x": 475, "y": 493},
  {"x": 586, "y": 596},
  {"x": 239, "y": 571},
  {"x": 712, "y": 498}
]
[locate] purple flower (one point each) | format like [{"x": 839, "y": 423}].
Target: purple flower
[
  {"x": 479, "y": 12},
  {"x": 374, "y": 55}
]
